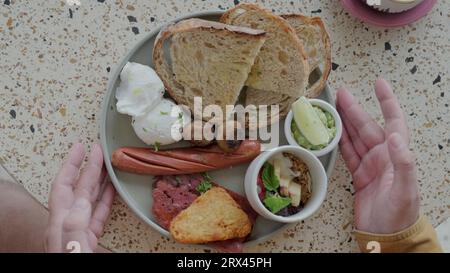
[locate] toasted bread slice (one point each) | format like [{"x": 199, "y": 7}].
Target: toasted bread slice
[
  {"x": 213, "y": 216},
  {"x": 315, "y": 39},
  {"x": 281, "y": 65},
  {"x": 313, "y": 34},
  {"x": 261, "y": 97},
  {"x": 208, "y": 59}
]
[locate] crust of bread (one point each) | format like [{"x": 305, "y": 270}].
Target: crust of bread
[
  {"x": 213, "y": 216},
  {"x": 318, "y": 86},
  {"x": 228, "y": 17},
  {"x": 195, "y": 23}
]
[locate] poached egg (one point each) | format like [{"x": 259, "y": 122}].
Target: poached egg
[
  {"x": 140, "y": 90},
  {"x": 155, "y": 120},
  {"x": 163, "y": 125}
]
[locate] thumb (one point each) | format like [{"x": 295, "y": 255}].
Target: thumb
[{"x": 405, "y": 179}]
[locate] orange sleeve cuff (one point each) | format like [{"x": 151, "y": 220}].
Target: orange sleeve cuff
[{"x": 420, "y": 237}]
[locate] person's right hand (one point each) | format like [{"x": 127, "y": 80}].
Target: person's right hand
[
  {"x": 79, "y": 203},
  {"x": 382, "y": 166}
]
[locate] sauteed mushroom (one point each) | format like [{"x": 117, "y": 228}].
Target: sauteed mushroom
[
  {"x": 231, "y": 142},
  {"x": 196, "y": 126}
]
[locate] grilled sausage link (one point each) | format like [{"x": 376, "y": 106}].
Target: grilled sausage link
[{"x": 182, "y": 160}]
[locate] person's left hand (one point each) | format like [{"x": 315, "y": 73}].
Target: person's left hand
[
  {"x": 383, "y": 168},
  {"x": 79, "y": 204}
]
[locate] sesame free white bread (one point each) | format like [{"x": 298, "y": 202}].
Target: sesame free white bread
[
  {"x": 281, "y": 66},
  {"x": 208, "y": 59}
]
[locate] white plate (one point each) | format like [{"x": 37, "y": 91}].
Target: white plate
[{"x": 135, "y": 190}]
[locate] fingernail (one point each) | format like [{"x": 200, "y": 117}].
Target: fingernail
[{"x": 81, "y": 203}]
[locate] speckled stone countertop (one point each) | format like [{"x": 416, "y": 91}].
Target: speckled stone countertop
[{"x": 56, "y": 61}]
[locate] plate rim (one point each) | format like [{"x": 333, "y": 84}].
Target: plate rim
[{"x": 127, "y": 199}]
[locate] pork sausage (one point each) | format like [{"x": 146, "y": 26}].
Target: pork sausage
[{"x": 182, "y": 160}]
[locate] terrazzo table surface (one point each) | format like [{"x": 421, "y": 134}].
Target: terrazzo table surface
[{"x": 56, "y": 61}]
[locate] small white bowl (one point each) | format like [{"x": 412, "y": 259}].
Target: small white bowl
[
  {"x": 318, "y": 184},
  {"x": 393, "y": 6},
  {"x": 337, "y": 121}
]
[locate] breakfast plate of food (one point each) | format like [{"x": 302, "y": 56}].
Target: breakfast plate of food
[{"x": 223, "y": 187}]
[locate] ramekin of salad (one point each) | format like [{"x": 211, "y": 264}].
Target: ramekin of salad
[
  {"x": 314, "y": 125},
  {"x": 286, "y": 184}
]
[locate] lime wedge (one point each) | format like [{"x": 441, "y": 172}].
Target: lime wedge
[{"x": 309, "y": 122}]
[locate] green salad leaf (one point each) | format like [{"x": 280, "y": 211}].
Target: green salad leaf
[
  {"x": 156, "y": 146},
  {"x": 206, "y": 176},
  {"x": 270, "y": 180},
  {"x": 275, "y": 202},
  {"x": 204, "y": 186}
]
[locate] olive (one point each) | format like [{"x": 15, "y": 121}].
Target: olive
[{"x": 231, "y": 143}]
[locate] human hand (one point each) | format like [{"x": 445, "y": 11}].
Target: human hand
[
  {"x": 79, "y": 204},
  {"x": 382, "y": 166}
]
